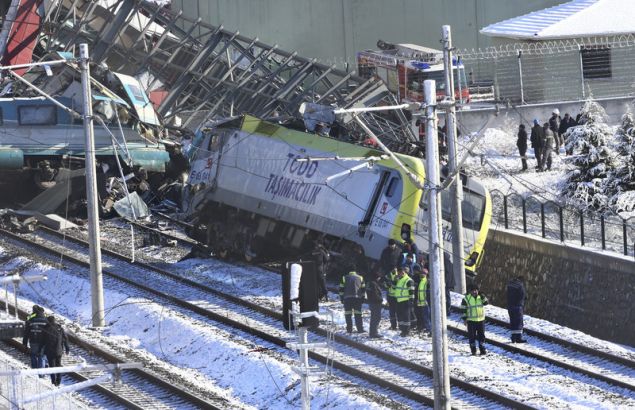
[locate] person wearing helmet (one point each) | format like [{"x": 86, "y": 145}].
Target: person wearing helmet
[{"x": 554, "y": 126}]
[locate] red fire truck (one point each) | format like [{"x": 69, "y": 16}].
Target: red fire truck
[{"x": 404, "y": 68}]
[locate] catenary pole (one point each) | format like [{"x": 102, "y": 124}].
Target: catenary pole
[
  {"x": 439, "y": 335},
  {"x": 456, "y": 188},
  {"x": 96, "y": 280}
]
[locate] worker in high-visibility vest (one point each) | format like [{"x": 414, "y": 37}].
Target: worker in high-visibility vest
[
  {"x": 474, "y": 316},
  {"x": 422, "y": 309},
  {"x": 404, "y": 296},
  {"x": 389, "y": 282}
]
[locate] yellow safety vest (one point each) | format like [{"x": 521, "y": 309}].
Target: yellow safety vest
[
  {"x": 392, "y": 275},
  {"x": 475, "y": 311},
  {"x": 404, "y": 288},
  {"x": 422, "y": 290}
]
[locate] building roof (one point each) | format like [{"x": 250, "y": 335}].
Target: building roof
[{"x": 577, "y": 18}]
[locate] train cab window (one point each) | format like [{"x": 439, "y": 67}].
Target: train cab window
[
  {"x": 37, "y": 115},
  {"x": 392, "y": 187},
  {"x": 472, "y": 208}
]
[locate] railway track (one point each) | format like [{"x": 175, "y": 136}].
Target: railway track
[
  {"x": 605, "y": 367},
  {"x": 396, "y": 375},
  {"x": 137, "y": 388},
  {"x": 618, "y": 374}
]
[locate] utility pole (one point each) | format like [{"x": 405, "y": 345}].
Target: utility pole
[
  {"x": 456, "y": 188},
  {"x": 96, "y": 280},
  {"x": 439, "y": 331}
]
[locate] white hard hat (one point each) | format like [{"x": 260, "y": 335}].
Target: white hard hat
[{"x": 556, "y": 111}]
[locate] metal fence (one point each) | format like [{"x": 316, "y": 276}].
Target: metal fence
[
  {"x": 538, "y": 72},
  {"x": 562, "y": 223}
]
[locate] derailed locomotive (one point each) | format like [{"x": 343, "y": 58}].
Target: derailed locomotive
[{"x": 261, "y": 189}]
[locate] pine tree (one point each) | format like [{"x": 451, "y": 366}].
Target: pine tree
[
  {"x": 621, "y": 185},
  {"x": 592, "y": 156}
]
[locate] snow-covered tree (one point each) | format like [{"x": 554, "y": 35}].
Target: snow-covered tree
[
  {"x": 593, "y": 157},
  {"x": 621, "y": 184}
]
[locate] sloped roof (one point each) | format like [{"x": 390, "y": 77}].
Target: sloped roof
[{"x": 577, "y": 18}]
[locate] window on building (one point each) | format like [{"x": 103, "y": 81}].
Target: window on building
[{"x": 596, "y": 62}]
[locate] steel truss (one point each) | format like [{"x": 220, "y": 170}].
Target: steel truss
[{"x": 208, "y": 72}]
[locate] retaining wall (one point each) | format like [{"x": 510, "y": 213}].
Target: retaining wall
[{"x": 577, "y": 288}]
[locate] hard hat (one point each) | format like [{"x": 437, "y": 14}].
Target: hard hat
[{"x": 556, "y": 111}]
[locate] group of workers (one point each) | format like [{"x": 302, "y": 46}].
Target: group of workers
[
  {"x": 46, "y": 341},
  {"x": 545, "y": 139},
  {"x": 407, "y": 286}
]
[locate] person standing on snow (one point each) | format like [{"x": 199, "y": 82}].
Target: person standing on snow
[
  {"x": 515, "y": 305},
  {"x": 33, "y": 337},
  {"x": 404, "y": 296},
  {"x": 375, "y": 300},
  {"x": 554, "y": 126},
  {"x": 321, "y": 258},
  {"x": 352, "y": 294},
  {"x": 521, "y": 143},
  {"x": 474, "y": 316},
  {"x": 55, "y": 343},
  {"x": 548, "y": 148},
  {"x": 537, "y": 138}
]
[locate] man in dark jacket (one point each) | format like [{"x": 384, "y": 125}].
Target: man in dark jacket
[
  {"x": 537, "y": 137},
  {"x": 55, "y": 343},
  {"x": 566, "y": 123},
  {"x": 521, "y": 143},
  {"x": 34, "y": 336},
  {"x": 353, "y": 293},
  {"x": 389, "y": 258},
  {"x": 515, "y": 304},
  {"x": 554, "y": 126},
  {"x": 375, "y": 300},
  {"x": 321, "y": 257}
]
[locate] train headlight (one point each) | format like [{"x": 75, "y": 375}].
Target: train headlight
[{"x": 471, "y": 261}]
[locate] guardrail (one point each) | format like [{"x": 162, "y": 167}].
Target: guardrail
[{"x": 552, "y": 220}]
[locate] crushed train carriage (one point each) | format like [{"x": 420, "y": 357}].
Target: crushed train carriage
[
  {"x": 39, "y": 138},
  {"x": 259, "y": 188}
]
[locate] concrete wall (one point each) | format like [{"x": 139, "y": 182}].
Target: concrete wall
[
  {"x": 334, "y": 30},
  {"x": 508, "y": 118},
  {"x": 573, "y": 287}
]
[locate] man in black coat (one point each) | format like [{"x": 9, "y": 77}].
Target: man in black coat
[
  {"x": 34, "y": 336},
  {"x": 566, "y": 123},
  {"x": 554, "y": 125},
  {"x": 537, "y": 137},
  {"x": 521, "y": 143},
  {"x": 374, "y": 299},
  {"x": 55, "y": 343},
  {"x": 321, "y": 256},
  {"x": 390, "y": 256},
  {"x": 515, "y": 304}
]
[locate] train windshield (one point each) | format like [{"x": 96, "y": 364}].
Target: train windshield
[{"x": 473, "y": 208}]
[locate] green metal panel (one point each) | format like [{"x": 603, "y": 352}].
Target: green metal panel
[{"x": 334, "y": 30}]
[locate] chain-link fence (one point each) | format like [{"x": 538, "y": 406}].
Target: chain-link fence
[
  {"x": 554, "y": 221},
  {"x": 539, "y": 72}
]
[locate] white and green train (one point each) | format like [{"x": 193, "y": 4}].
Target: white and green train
[{"x": 262, "y": 189}]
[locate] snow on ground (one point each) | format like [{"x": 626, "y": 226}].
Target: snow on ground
[
  {"x": 222, "y": 360},
  {"x": 497, "y": 164},
  {"x": 31, "y": 386}
]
